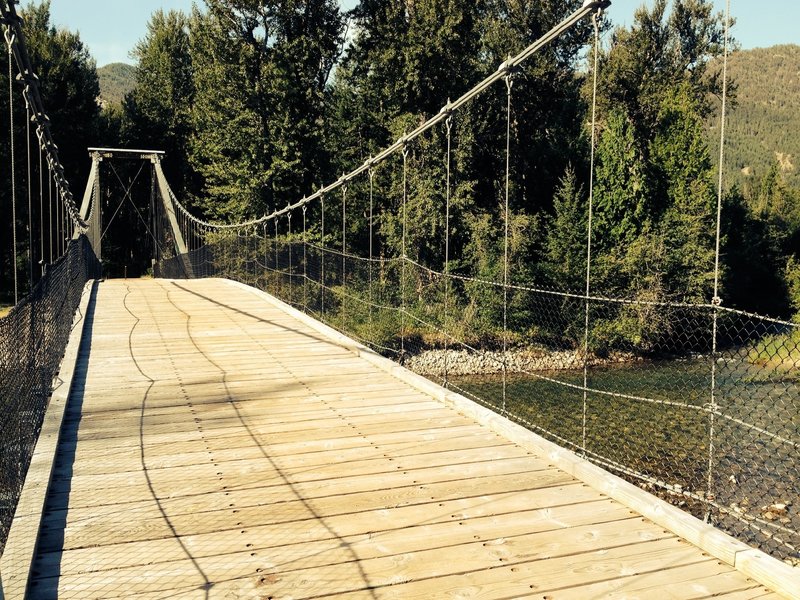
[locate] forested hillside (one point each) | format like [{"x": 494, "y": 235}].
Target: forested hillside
[
  {"x": 762, "y": 148},
  {"x": 763, "y": 126},
  {"x": 116, "y": 80}
]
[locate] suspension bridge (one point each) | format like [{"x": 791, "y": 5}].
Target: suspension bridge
[{"x": 277, "y": 415}]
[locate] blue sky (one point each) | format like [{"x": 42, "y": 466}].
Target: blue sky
[{"x": 110, "y": 28}]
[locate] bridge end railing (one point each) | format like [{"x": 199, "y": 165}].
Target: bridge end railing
[{"x": 33, "y": 339}]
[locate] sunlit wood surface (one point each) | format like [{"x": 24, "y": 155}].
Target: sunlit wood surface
[{"x": 215, "y": 447}]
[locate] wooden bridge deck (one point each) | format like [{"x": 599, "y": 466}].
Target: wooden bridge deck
[{"x": 216, "y": 447}]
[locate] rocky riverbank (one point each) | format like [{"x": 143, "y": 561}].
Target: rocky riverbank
[{"x": 463, "y": 362}]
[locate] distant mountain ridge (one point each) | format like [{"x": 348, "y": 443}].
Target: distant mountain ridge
[
  {"x": 116, "y": 80},
  {"x": 763, "y": 126}
]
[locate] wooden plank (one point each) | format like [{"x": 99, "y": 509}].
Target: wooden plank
[
  {"x": 157, "y": 520},
  {"x": 268, "y": 470},
  {"x": 194, "y": 513},
  {"x": 700, "y": 580},
  {"x": 397, "y": 530},
  {"x": 275, "y": 483},
  {"x": 242, "y": 448},
  {"x": 91, "y": 429},
  {"x": 329, "y": 570},
  {"x": 342, "y": 564}
]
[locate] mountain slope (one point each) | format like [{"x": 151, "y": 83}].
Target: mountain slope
[
  {"x": 763, "y": 126},
  {"x": 116, "y": 80}
]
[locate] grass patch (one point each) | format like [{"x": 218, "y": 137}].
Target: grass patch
[{"x": 778, "y": 354}]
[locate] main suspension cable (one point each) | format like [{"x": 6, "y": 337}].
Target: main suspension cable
[{"x": 399, "y": 145}]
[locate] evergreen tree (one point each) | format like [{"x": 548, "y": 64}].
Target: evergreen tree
[
  {"x": 764, "y": 232},
  {"x": 682, "y": 167},
  {"x": 261, "y": 71},
  {"x": 157, "y": 111},
  {"x": 658, "y": 53},
  {"x": 622, "y": 192},
  {"x": 566, "y": 244}
]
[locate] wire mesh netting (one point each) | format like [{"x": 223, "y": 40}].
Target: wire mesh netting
[
  {"x": 608, "y": 337},
  {"x": 33, "y": 337},
  {"x": 716, "y": 433}
]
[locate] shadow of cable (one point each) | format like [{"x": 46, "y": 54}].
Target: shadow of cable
[
  {"x": 207, "y": 584},
  {"x": 54, "y": 518},
  {"x": 256, "y": 438},
  {"x": 316, "y": 338}
]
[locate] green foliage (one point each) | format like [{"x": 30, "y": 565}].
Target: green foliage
[
  {"x": 260, "y": 74},
  {"x": 157, "y": 112},
  {"x": 792, "y": 274},
  {"x": 622, "y": 195},
  {"x": 405, "y": 61},
  {"x": 654, "y": 198},
  {"x": 683, "y": 169},
  {"x": 779, "y": 355},
  {"x": 110, "y": 126},
  {"x": 566, "y": 244},
  {"x": 657, "y": 53}
]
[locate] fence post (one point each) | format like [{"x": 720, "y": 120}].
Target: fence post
[
  {"x": 449, "y": 125},
  {"x": 305, "y": 261},
  {"x": 344, "y": 255},
  {"x": 509, "y": 84},
  {"x": 371, "y": 178},
  {"x": 403, "y": 259},
  {"x": 289, "y": 250}
]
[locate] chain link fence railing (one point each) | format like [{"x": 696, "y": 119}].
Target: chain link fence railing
[
  {"x": 413, "y": 256},
  {"x": 714, "y": 432},
  {"x": 33, "y": 337}
]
